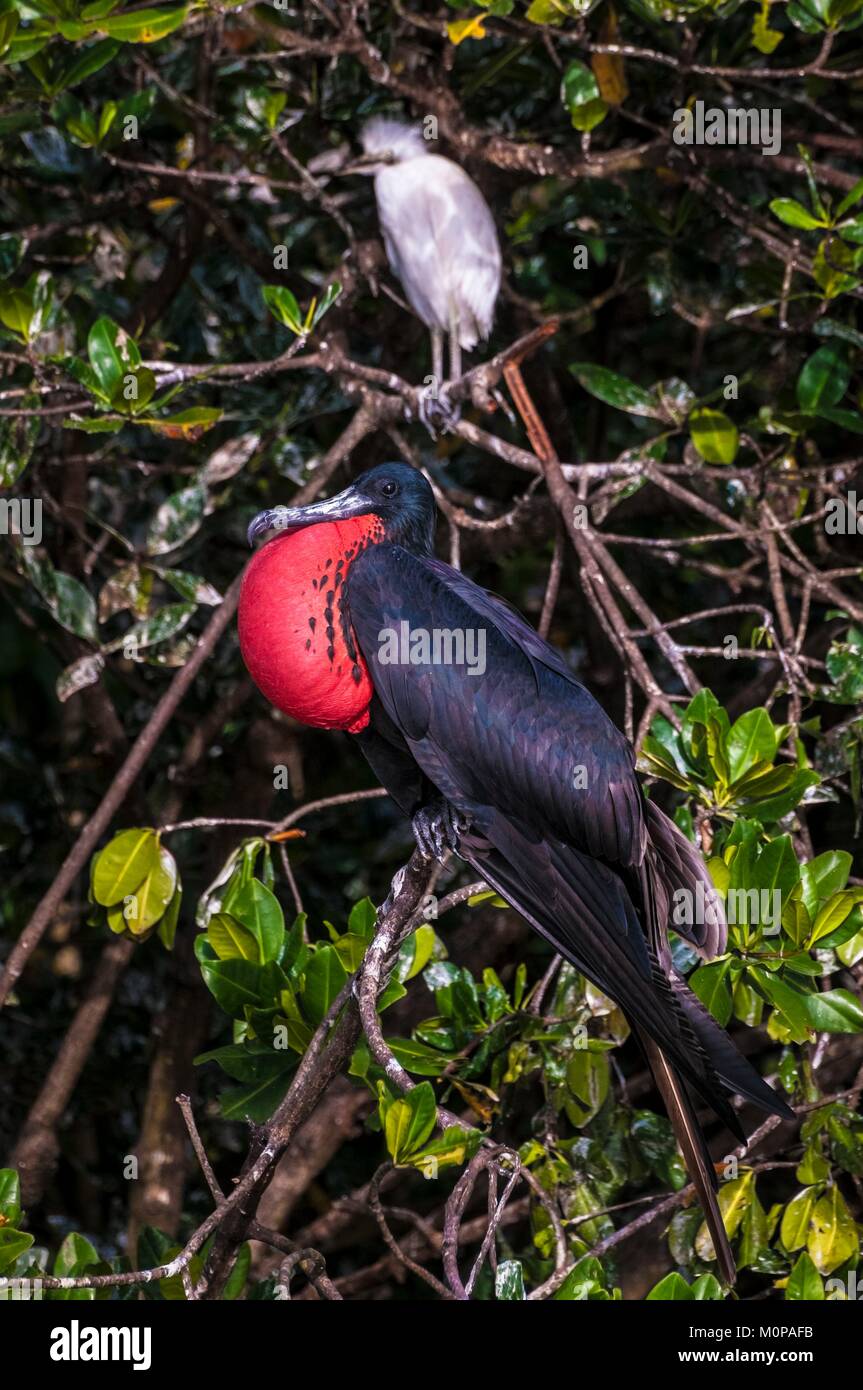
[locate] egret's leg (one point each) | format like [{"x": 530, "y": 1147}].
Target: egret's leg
[
  {"x": 431, "y": 410},
  {"x": 454, "y": 353},
  {"x": 437, "y": 358},
  {"x": 451, "y": 410}
]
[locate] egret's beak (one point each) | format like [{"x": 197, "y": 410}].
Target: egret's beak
[{"x": 344, "y": 505}]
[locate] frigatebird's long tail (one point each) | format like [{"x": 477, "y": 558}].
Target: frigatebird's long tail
[
  {"x": 693, "y": 1146},
  {"x": 585, "y": 911}
]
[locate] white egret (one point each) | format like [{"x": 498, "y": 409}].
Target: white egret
[{"x": 440, "y": 240}]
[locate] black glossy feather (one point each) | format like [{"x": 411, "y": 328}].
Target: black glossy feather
[{"x": 559, "y": 824}]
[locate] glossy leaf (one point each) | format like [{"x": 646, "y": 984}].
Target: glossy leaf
[{"x": 123, "y": 864}]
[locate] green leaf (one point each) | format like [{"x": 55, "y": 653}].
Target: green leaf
[
  {"x": 230, "y": 940},
  {"x": 191, "y": 586},
  {"x": 579, "y": 85},
  {"x": 177, "y": 519},
  {"x": 752, "y": 739},
  {"x": 283, "y": 307},
  {"x": 714, "y": 435},
  {"x": 123, "y": 864},
  {"x": 75, "y": 1257},
  {"x": 235, "y": 984},
  {"x": 833, "y": 267},
  {"x": 106, "y": 342},
  {"x": 587, "y": 1079},
  {"x": 16, "y": 311},
  {"x": 8, "y": 24},
  {"x": 707, "y": 1289},
  {"x": 239, "y": 1274},
  {"x": 327, "y": 301},
  {"x": 258, "y": 909},
  {"x": 509, "y": 1281},
  {"x": 168, "y": 924},
  {"x": 804, "y": 1282},
  {"x": 12, "y": 249},
  {"x": 792, "y": 1003},
  {"x": 17, "y": 442},
  {"x": 615, "y": 390},
  {"x": 415, "y": 953},
  {"x": 848, "y": 420},
  {"x": 10, "y": 1196},
  {"x": 673, "y": 1288},
  {"x": 833, "y": 1237},
  {"x": 100, "y": 424},
  {"x": 794, "y": 1230},
  {"x": 257, "y": 1101},
  {"x": 325, "y": 976},
  {"x": 824, "y": 377},
  {"x": 144, "y": 26},
  {"x": 852, "y": 197},
  {"x": 409, "y": 1122},
  {"x": 266, "y": 105},
  {"x": 419, "y": 1058},
  {"x": 776, "y": 867},
  {"x": 794, "y": 214},
  {"x": 363, "y": 919},
  {"x": 454, "y": 1147},
  {"x": 164, "y": 623},
  {"x": 150, "y": 899},
  {"x": 709, "y": 983},
  {"x": 186, "y": 424},
  {"x": 835, "y": 1011},
  {"x": 86, "y": 62},
  {"x": 828, "y": 873},
  {"x": 831, "y": 917},
  {"x": 12, "y": 1244}
]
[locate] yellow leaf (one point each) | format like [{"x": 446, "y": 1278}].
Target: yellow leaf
[
  {"x": 462, "y": 29},
  {"x": 608, "y": 68},
  {"x": 162, "y": 204},
  {"x": 833, "y": 1233},
  {"x": 764, "y": 38}
]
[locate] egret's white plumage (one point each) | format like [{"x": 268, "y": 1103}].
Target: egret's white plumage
[{"x": 439, "y": 235}]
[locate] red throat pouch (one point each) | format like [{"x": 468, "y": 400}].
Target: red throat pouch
[{"x": 295, "y": 636}]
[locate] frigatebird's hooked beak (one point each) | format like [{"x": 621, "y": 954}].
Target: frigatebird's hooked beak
[{"x": 351, "y": 502}]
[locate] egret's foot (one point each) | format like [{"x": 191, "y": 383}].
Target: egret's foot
[
  {"x": 437, "y": 829},
  {"x": 439, "y": 414}
]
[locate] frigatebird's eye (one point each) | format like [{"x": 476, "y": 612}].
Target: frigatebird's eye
[{"x": 389, "y": 488}]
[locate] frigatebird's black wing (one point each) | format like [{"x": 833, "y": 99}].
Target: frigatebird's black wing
[
  {"x": 510, "y": 728},
  {"x": 558, "y": 822}
]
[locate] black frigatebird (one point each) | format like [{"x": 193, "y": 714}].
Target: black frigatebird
[{"x": 483, "y": 736}]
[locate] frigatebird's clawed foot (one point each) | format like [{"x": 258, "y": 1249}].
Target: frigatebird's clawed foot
[
  {"x": 439, "y": 414},
  {"x": 437, "y": 828}
]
